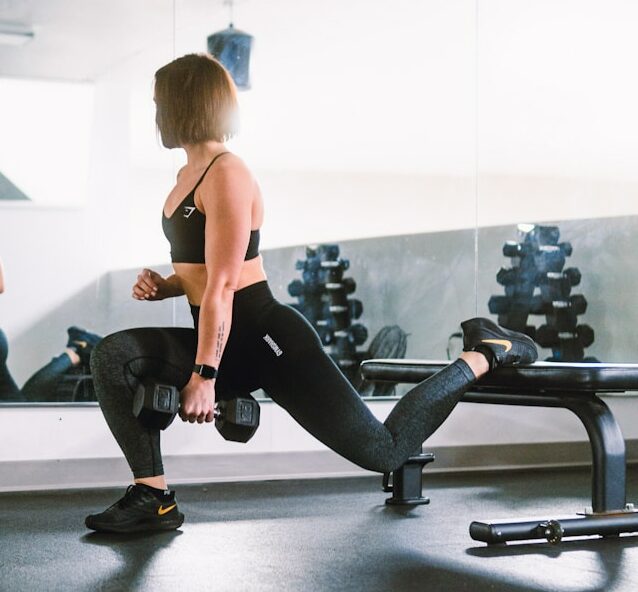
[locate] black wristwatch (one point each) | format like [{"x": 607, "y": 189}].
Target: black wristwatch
[{"x": 205, "y": 371}]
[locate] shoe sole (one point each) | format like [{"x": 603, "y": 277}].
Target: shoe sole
[{"x": 139, "y": 525}]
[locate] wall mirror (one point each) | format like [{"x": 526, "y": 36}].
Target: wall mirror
[{"x": 360, "y": 125}]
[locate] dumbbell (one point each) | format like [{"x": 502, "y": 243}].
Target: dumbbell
[
  {"x": 514, "y": 249},
  {"x": 312, "y": 264},
  {"x": 558, "y": 285},
  {"x": 547, "y": 336},
  {"x": 502, "y": 305},
  {"x": 514, "y": 320},
  {"x": 352, "y": 306},
  {"x": 520, "y": 291},
  {"x": 357, "y": 334},
  {"x": 568, "y": 351},
  {"x": 155, "y": 405},
  {"x": 327, "y": 252},
  {"x": 298, "y": 289},
  {"x": 517, "y": 322},
  {"x": 348, "y": 285},
  {"x": 551, "y": 261},
  {"x": 570, "y": 277},
  {"x": 516, "y": 275},
  {"x": 576, "y": 304},
  {"x": 542, "y": 235},
  {"x": 332, "y": 275}
]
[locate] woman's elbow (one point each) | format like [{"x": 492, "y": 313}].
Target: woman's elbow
[{"x": 221, "y": 291}]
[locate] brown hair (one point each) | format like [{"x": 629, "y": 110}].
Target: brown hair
[{"x": 195, "y": 100}]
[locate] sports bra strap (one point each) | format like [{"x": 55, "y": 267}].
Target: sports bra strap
[{"x": 212, "y": 162}]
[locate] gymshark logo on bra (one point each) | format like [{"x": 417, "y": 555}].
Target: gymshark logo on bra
[
  {"x": 188, "y": 210},
  {"x": 273, "y": 346}
]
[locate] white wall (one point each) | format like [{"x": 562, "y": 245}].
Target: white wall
[
  {"x": 57, "y": 433},
  {"x": 362, "y": 121}
]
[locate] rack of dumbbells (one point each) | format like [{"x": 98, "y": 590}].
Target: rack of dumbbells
[
  {"x": 538, "y": 284},
  {"x": 323, "y": 298}
]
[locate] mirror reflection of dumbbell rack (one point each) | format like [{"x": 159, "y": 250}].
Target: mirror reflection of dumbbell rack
[
  {"x": 323, "y": 298},
  {"x": 538, "y": 284}
]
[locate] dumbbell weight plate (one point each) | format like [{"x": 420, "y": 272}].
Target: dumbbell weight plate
[
  {"x": 155, "y": 404},
  {"x": 237, "y": 420}
]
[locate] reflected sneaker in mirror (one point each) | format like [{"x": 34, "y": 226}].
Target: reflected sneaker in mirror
[{"x": 82, "y": 342}]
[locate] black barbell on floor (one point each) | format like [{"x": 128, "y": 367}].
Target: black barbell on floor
[{"x": 155, "y": 404}]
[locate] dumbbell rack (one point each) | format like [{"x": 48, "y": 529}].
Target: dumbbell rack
[
  {"x": 538, "y": 284},
  {"x": 323, "y": 298}
]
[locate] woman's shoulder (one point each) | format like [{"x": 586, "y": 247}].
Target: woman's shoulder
[
  {"x": 229, "y": 168},
  {"x": 229, "y": 177},
  {"x": 229, "y": 161}
]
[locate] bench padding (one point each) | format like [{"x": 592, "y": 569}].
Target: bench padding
[{"x": 566, "y": 377}]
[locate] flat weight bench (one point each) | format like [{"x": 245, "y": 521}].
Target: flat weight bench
[{"x": 570, "y": 386}]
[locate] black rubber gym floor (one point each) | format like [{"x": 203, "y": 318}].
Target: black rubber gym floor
[{"x": 317, "y": 535}]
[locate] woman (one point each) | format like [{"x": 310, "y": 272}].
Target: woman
[
  {"x": 244, "y": 339},
  {"x": 9, "y": 390}
]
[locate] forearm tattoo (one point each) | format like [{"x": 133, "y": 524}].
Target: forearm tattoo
[{"x": 220, "y": 342}]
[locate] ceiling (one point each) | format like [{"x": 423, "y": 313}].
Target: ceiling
[{"x": 79, "y": 40}]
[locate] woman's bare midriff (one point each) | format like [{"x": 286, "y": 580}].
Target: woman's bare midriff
[{"x": 193, "y": 277}]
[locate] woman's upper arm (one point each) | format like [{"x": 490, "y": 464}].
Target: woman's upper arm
[{"x": 227, "y": 197}]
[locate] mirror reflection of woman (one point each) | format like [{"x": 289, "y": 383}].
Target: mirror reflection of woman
[
  {"x": 9, "y": 390},
  {"x": 42, "y": 385},
  {"x": 243, "y": 339}
]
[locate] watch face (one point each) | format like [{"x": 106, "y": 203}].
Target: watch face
[{"x": 206, "y": 371}]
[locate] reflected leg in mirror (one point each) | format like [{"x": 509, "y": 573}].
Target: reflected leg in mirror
[
  {"x": 66, "y": 370},
  {"x": 9, "y": 390}
]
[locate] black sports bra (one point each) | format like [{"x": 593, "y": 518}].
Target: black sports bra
[{"x": 185, "y": 229}]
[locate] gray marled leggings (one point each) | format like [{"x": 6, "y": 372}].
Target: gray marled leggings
[{"x": 271, "y": 346}]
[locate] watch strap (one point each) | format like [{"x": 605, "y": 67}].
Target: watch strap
[{"x": 205, "y": 371}]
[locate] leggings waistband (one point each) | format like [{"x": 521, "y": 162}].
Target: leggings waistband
[{"x": 252, "y": 298}]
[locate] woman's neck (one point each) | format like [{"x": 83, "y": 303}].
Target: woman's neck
[{"x": 199, "y": 155}]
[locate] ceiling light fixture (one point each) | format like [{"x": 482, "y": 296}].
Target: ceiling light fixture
[
  {"x": 15, "y": 34},
  {"x": 232, "y": 48}
]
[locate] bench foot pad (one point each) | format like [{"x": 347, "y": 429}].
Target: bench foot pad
[{"x": 554, "y": 530}]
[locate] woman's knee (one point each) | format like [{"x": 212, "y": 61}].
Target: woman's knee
[{"x": 115, "y": 349}]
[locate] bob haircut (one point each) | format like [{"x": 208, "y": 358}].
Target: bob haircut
[{"x": 195, "y": 101}]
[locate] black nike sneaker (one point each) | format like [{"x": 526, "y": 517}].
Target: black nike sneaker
[
  {"x": 138, "y": 511},
  {"x": 82, "y": 342},
  {"x": 501, "y": 347}
]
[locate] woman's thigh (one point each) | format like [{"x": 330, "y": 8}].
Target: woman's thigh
[
  {"x": 301, "y": 377},
  {"x": 162, "y": 353}
]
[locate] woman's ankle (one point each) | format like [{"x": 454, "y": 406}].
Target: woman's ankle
[
  {"x": 477, "y": 362},
  {"x": 73, "y": 356},
  {"x": 158, "y": 482}
]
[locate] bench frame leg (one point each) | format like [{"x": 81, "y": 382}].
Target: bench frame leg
[
  {"x": 609, "y": 515},
  {"x": 407, "y": 481}
]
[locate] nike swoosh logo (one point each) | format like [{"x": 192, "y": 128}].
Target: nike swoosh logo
[
  {"x": 162, "y": 510},
  {"x": 82, "y": 344},
  {"x": 504, "y": 342}
]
